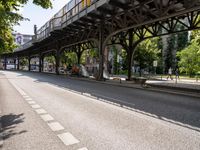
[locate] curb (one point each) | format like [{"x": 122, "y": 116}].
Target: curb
[
  {"x": 163, "y": 89},
  {"x": 150, "y": 87},
  {"x": 176, "y": 88}
]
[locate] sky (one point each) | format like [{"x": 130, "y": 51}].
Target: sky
[{"x": 37, "y": 15}]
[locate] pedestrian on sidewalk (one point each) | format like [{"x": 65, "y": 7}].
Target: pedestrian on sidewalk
[
  {"x": 177, "y": 73},
  {"x": 170, "y": 74}
]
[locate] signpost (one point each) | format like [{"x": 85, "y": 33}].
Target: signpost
[{"x": 155, "y": 64}]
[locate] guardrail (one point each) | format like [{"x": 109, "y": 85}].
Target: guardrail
[
  {"x": 64, "y": 15},
  {"x": 25, "y": 46}
]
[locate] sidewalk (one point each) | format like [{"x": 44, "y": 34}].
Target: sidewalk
[{"x": 185, "y": 87}]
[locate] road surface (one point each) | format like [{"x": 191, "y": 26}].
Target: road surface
[{"x": 49, "y": 112}]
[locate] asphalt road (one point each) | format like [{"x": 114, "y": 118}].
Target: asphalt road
[{"x": 93, "y": 116}]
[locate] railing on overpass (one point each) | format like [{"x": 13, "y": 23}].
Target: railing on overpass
[
  {"x": 76, "y": 9},
  {"x": 26, "y": 45},
  {"x": 64, "y": 15}
]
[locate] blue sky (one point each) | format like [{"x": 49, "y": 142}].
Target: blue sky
[{"x": 37, "y": 15}]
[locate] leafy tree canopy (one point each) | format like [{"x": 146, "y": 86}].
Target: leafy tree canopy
[
  {"x": 146, "y": 52},
  {"x": 190, "y": 58},
  {"x": 9, "y": 17}
]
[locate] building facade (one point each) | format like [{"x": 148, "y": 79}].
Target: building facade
[{"x": 21, "y": 39}]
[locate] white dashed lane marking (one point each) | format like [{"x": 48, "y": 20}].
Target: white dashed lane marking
[
  {"x": 35, "y": 106},
  {"x": 47, "y": 117},
  {"x": 31, "y": 102},
  {"x": 28, "y": 99},
  {"x": 26, "y": 96},
  {"x": 84, "y": 148},
  {"x": 41, "y": 111},
  {"x": 55, "y": 126},
  {"x": 68, "y": 139}
]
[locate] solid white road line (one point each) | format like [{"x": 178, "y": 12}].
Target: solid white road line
[
  {"x": 68, "y": 139},
  {"x": 35, "y": 106},
  {"x": 55, "y": 126},
  {"x": 47, "y": 117},
  {"x": 41, "y": 111}
]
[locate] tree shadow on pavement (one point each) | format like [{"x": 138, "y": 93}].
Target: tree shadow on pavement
[
  {"x": 9, "y": 123},
  {"x": 173, "y": 108}
]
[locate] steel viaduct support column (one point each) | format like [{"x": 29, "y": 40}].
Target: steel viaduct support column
[
  {"x": 101, "y": 51},
  {"x": 18, "y": 62},
  {"x": 57, "y": 62},
  {"x": 130, "y": 49},
  {"x": 40, "y": 63},
  {"x": 79, "y": 53},
  {"x": 29, "y": 63},
  {"x": 5, "y": 63}
]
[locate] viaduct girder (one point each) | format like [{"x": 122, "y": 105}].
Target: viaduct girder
[{"x": 113, "y": 22}]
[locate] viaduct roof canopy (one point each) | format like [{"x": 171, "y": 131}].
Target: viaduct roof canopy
[{"x": 83, "y": 20}]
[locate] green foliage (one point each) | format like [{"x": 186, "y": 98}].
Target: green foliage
[
  {"x": 124, "y": 60},
  {"x": 9, "y": 17},
  {"x": 63, "y": 58},
  {"x": 50, "y": 59},
  {"x": 71, "y": 58},
  {"x": 83, "y": 56},
  {"x": 182, "y": 39},
  {"x": 170, "y": 60},
  {"x": 146, "y": 52},
  {"x": 196, "y": 37},
  {"x": 93, "y": 53},
  {"x": 116, "y": 64},
  {"x": 190, "y": 58},
  {"x": 23, "y": 62}
]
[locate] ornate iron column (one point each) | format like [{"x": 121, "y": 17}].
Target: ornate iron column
[
  {"x": 130, "y": 50},
  {"x": 130, "y": 47},
  {"x": 57, "y": 61},
  {"x": 79, "y": 53},
  {"x": 40, "y": 63},
  {"x": 29, "y": 63},
  {"x": 101, "y": 49},
  {"x": 5, "y": 63},
  {"x": 17, "y": 62}
]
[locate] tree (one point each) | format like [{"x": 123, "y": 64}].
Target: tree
[
  {"x": 170, "y": 60},
  {"x": 23, "y": 62},
  {"x": 190, "y": 58},
  {"x": 50, "y": 59},
  {"x": 146, "y": 52},
  {"x": 9, "y": 17},
  {"x": 71, "y": 58},
  {"x": 182, "y": 39}
]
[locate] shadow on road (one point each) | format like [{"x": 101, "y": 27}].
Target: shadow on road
[
  {"x": 177, "y": 109},
  {"x": 9, "y": 123}
]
